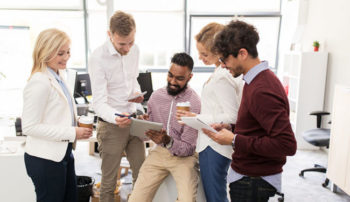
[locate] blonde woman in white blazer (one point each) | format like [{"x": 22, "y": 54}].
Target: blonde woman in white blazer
[
  {"x": 49, "y": 121},
  {"x": 220, "y": 100}
]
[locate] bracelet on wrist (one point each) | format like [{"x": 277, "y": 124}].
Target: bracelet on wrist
[
  {"x": 169, "y": 144},
  {"x": 233, "y": 141}
]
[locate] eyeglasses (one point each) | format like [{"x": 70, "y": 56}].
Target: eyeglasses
[{"x": 222, "y": 60}]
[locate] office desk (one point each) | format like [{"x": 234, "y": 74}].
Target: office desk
[
  {"x": 15, "y": 185},
  {"x": 9, "y": 134}
]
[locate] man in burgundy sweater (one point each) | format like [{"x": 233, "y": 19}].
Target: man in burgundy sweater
[{"x": 263, "y": 136}]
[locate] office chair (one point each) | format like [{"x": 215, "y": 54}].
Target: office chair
[{"x": 318, "y": 137}]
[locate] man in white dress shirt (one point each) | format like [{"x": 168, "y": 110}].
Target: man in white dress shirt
[{"x": 113, "y": 69}]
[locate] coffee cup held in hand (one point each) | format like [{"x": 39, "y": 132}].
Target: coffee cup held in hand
[
  {"x": 186, "y": 106},
  {"x": 86, "y": 122}
]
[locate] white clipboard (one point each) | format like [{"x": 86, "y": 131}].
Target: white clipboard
[
  {"x": 139, "y": 127},
  {"x": 196, "y": 123}
]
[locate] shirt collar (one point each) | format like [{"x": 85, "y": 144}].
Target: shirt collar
[
  {"x": 57, "y": 77},
  {"x": 111, "y": 48},
  {"x": 253, "y": 72}
]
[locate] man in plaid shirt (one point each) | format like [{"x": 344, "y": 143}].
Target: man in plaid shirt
[{"x": 176, "y": 143}]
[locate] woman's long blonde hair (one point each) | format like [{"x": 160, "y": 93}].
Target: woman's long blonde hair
[
  {"x": 207, "y": 34},
  {"x": 47, "y": 45}
]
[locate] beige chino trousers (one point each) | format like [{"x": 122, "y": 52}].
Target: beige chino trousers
[
  {"x": 157, "y": 166},
  {"x": 112, "y": 142}
]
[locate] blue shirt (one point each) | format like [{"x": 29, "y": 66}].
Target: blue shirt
[
  {"x": 275, "y": 179},
  {"x": 66, "y": 93}
]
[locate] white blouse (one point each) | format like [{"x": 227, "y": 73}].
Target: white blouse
[{"x": 220, "y": 100}]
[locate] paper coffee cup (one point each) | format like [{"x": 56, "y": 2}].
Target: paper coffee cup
[
  {"x": 86, "y": 121},
  {"x": 186, "y": 106}
]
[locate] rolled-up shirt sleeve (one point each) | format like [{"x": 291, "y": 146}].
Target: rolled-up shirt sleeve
[{"x": 186, "y": 145}]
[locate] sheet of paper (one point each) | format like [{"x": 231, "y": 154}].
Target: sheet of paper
[
  {"x": 139, "y": 127},
  {"x": 196, "y": 123}
]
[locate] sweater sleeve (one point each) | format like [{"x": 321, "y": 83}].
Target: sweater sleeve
[{"x": 270, "y": 111}]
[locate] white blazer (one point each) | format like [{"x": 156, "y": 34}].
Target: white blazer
[
  {"x": 46, "y": 118},
  {"x": 220, "y": 100}
]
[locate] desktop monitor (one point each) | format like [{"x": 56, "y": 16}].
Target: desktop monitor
[
  {"x": 82, "y": 86},
  {"x": 145, "y": 81}
]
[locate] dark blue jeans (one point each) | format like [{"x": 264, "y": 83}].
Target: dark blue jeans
[
  {"x": 251, "y": 189},
  {"x": 213, "y": 169},
  {"x": 53, "y": 181}
]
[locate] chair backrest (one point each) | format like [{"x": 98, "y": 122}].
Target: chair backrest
[{"x": 319, "y": 115}]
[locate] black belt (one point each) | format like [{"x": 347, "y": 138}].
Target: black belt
[
  {"x": 132, "y": 115},
  {"x": 100, "y": 119}
]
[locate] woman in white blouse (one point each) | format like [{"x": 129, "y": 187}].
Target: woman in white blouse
[{"x": 220, "y": 100}]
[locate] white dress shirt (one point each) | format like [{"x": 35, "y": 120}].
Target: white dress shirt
[
  {"x": 221, "y": 97},
  {"x": 113, "y": 80}
]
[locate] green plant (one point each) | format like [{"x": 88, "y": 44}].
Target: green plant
[{"x": 316, "y": 44}]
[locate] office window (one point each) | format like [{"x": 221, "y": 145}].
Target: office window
[
  {"x": 160, "y": 30},
  {"x": 233, "y": 6},
  {"x": 72, "y": 22},
  {"x": 264, "y": 15},
  {"x": 268, "y": 28},
  {"x": 97, "y": 24},
  {"x": 159, "y": 36},
  {"x": 20, "y": 24},
  {"x": 41, "y": 4},
  {"x": 150, "y": 6}
]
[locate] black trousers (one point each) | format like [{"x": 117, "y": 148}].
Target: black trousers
[
  {"x": 53, "y": 181},
  {"x": 251, "y": 189}
]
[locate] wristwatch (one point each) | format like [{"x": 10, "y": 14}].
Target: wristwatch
[
  {"x": 233, "y": 141},
  {"x": 170, "y": 143}
]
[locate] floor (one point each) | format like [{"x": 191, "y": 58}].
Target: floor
[{"x": 295, "y": 188}]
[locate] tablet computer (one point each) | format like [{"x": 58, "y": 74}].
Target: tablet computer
[
  {"x": 136, "y": 96},
  {"x": 196, "y": 123},
  {"x": 139, "y": 127}
]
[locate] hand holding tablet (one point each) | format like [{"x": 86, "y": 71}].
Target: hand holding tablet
[
  {"x": 140, "y": 127},
  {"x": 196, "y": 123},
  {"x": 136, "y": 96}
]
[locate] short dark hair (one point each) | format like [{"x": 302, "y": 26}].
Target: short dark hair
[
  {"x": 122, "y": 23},
  {"x": 236, "y": 35},
  {"x": 183, "y": 59}
]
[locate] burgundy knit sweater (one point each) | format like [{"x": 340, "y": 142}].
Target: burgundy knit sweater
[{"x": 264, "y": 134}]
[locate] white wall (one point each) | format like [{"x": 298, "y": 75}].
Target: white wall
[
  {"x": 328, "y": 21},
  {"x": 304, "y": 21}
]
